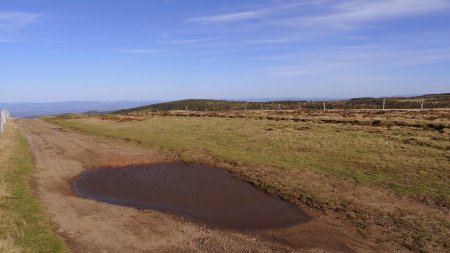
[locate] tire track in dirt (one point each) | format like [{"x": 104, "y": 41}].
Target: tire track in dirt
[{"x": 88, "y": 226}]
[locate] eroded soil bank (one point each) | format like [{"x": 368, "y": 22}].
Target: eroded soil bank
[
  {"x": 201, "y": 193},
  {"x": 60, "y": 155}
]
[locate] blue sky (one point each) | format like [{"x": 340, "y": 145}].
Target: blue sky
[{"x": 173, "y": 49}]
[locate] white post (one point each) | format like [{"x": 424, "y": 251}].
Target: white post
[
  {"x": 2, "y": 121},
  {"x": 421, "y": 106},
  {"x": 279, "y": 107},
  {"x": 324, "y": 107},
  {"x": 261, "y": 106},
  {"x": 3, "y": 114},
  {"x": 299, "y": 107},
  {"x": 245, "y": 106},
  {"x": 384, "y": 103}
]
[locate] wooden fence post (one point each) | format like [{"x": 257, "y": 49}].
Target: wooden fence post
[
  {"x": 384, "y": 103},
  {"x": 421, "y": 105}
]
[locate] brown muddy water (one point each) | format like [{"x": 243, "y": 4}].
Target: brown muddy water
[{"x": 204, "y": 194}]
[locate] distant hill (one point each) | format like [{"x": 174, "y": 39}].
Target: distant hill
[
  {"x": 413, "y": 102},
  {"x": 40, "y": 109}
]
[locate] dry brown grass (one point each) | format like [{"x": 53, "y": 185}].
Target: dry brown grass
[{"x": 384, "y": 172}]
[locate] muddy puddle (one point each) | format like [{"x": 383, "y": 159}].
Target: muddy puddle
[{"x": 203, "y": 194}]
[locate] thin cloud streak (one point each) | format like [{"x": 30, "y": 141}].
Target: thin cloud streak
[
  {"x": 138, "y": 51},
  {"x": 340, "y": 14},
  {"x": 375, "y": 61},
  {"x": 271, "y": 40},
  {"x": 272, "y": 8},
  {"x": 15, "y": 19},
  {"x": 8, "y": 40},
  {"x": 189, "y": 41},
  {"x": 350, "y": 13},
  {"x": 228, "y": 17}
]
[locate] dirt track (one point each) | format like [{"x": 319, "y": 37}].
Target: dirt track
[{"x": 88, "y": 226}]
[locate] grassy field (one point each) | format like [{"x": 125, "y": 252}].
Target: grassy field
[
  {"x": 23, "y": 225},
  {"x": 357, "y": 166}
]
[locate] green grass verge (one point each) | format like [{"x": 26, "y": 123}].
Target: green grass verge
[{"x": 24, "y": 226}]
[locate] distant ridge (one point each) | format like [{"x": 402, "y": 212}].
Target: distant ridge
[
  {"x": 41, "y": 109},
  {"x": 411, "y": 102}
]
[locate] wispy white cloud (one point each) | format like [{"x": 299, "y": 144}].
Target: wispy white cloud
[
  {"x": 358, "y": 61},
  {"x": 228, "y": 17},
  {"x": 348, "y": 13},
  {"x": 15, "y": 19},
  {"x": 258, "y": 12},
  {"x": 189, "y": 41},
  {"x": 356, "y": 37},
  {"x": 138, "y": 51},
  {"x": 342, "y": 13},
  {"x": 271, "y": 40},
  {"x": 3, "y": 40}
]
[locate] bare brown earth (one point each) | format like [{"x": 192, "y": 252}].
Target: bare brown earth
[{"x": 60, "y": 155}]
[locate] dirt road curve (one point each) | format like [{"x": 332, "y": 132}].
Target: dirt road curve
[{"x": 87, "y": 226}]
